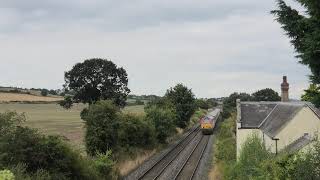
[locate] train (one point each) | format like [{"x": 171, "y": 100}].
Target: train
[{"x": 208, "y": 122}]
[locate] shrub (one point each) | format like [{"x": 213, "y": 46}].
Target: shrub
[
  {"x": 136, "y": 131},
  {"x": 163, "y": 120},
  {"x": 44, "y": 92},
  {"x": 66, "y": 103},
  {"x": 253, "y": 154},
  {"x": 6, "y": 175},
  {"x": 104, "y": 164},
  {"x": 102, "y": 121}
]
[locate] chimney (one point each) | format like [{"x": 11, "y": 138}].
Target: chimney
[{"x": 284, "y": 90}]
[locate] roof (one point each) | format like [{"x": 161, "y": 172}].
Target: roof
[
  {"x": 270, "y": 117},
  {"x": 253, "y": 113},
  {"x": 298, "y": 144}
]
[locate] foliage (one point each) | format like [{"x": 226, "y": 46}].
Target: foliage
[
  {"x": 231, "y": 100},
  {"x": 98, "y": 79},
  {"x": 163, "y": 120},
  {"x": 266, "y": 95},
  {"x": 105, "y": 165},
  {"x": 184, "y": 102},
  {"x": 229, "y": 103},
  {"x": 39, "y": 153},
  {"x": 136, "y": 131},
  {"x": 102, "y": 121},
  {"x": 304, "y": 32},
  {"x": 200, "y": 113},
  {"x": 67, "y": 102},
  {"x": 9, "y": 121},
  {"x": 6, "y": 175},
  {"x": 225, "y": 145},
  {"x": 312, "y": 94},
  {"x": 253, "y": 154},
  {"x": 202, "y": 103},
  {"x": 53, "y": 92},
  {"x": 44, "y": 92}
]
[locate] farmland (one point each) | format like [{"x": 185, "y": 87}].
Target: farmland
[
  {"x": 52, "y": 119},
  {"x": 8, "y": 97}
]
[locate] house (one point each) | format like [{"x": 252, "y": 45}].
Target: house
[{"x": 282, "y": 126}]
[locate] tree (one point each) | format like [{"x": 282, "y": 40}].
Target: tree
[
  {"x": 184, "y": 102},
  {"x": 304, "y": 32},
  {"x": 44, "y": 92},
  {"x": 202, "y": 103},
  {"x": 53, "y": 92},
  {"x": 231, "y": 100},
  {"x": 266, "y": 95},
  {"x": 98, "y": 79},
  {"x": 312, "y": 94}
]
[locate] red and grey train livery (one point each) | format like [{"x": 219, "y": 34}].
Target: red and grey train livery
[{"x": 208, "y": 122}]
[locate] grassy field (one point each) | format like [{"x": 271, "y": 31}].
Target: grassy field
[
  {"x": 7, "y": 97},
  {"x": 52, "y": 119}
]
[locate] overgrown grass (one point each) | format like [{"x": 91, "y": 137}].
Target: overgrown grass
[{"x": 224, "y": 148}]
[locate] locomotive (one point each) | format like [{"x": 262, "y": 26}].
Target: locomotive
[{"x": 207, "y": 123}]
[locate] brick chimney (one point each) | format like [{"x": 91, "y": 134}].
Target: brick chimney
[{"x": 284, "y": 90}]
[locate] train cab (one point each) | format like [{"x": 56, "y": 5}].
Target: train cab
[{"x": 207, "y": 123}]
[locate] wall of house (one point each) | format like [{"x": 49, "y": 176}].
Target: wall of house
[
  {"x": 305, "y": 121},
  {"x": 243, "y": 134}
]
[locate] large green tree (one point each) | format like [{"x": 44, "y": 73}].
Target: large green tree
[
  {"x": 184, "y": 102},
  {"x": 266, "y": 95},
  {"x": 98, "y": 79},
  {"x": 304, "y": 31}
]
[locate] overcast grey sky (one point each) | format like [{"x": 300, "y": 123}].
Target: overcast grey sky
[{"x": 215, "y": 47}]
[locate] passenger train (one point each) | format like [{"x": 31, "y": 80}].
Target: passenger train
[{"x": 208, "y": 122}]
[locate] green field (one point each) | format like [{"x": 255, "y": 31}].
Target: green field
[{"x": 52, "y": 119}]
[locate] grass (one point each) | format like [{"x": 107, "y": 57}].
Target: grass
[
  {"x": 53, "y": 119},
  {"x": 224, "y": 148}
]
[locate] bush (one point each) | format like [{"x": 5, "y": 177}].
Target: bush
[
  {"x": 41, "y": 156},
  {"x": 104, "y": 164},
  {"x": 102, "y": 121},
  {"x": 136, "y": 131},
  {"x": 253, "y": 154},
  {"x": 67, "y": 102},
  {"x": 6, "y": 175},
  {"x": 163, "y": 120},
  {"x": 44, "y": 92}
]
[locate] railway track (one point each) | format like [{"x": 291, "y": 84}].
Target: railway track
[
  {"x": 187, "y": 168},
  {"x": 190, "y": 166}
]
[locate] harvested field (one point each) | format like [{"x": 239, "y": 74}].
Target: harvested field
[
  {"x": 15, "y": 97},
  {"x": 53, "y": 119}
]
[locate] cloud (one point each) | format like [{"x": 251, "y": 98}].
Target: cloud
[{"x": 214, "y": 47}]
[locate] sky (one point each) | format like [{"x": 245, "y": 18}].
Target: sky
[{"x": 215, "y": 47}]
